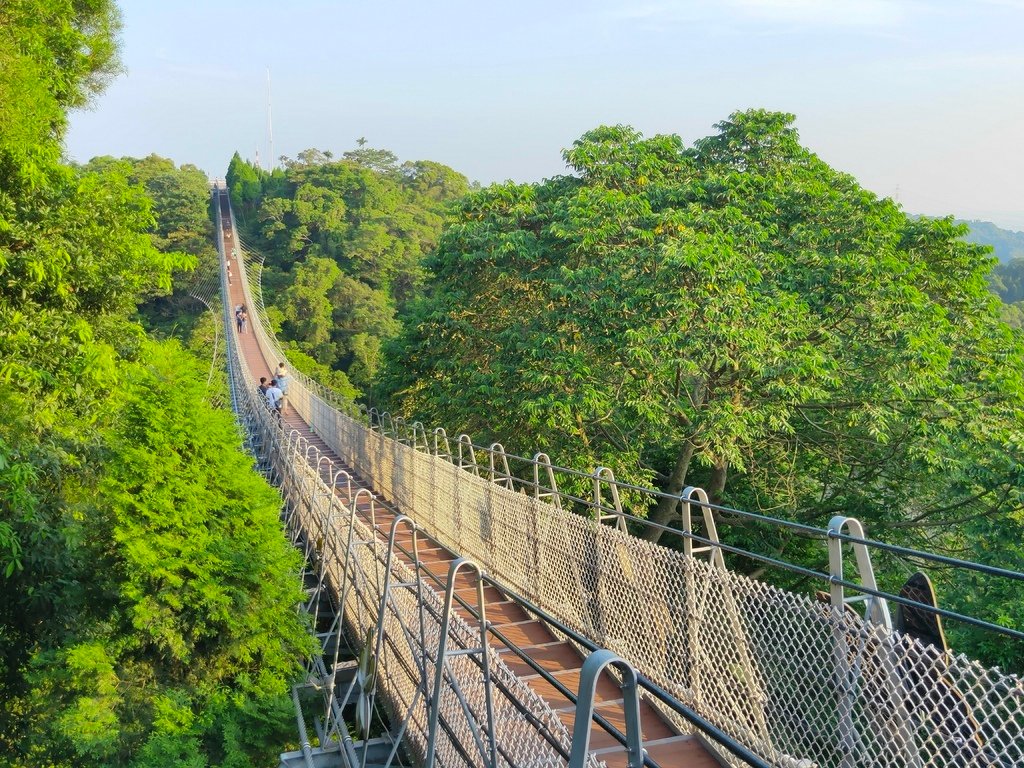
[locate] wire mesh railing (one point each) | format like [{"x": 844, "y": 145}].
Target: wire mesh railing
[
  {"x": 432, "y": 662},
  {"x": 799, "y": 681}
]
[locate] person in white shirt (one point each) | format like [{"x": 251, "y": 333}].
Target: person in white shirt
[{"x": 275, "y": 398}]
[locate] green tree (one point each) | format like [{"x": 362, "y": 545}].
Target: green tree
[
  {"x": 141, "y": 563},
  {"x": 307, "y": 310},
  {"x": 374, "y": 218},
  {"x": 736, "y": 315},
  {"x": 62, "y": 54},
  {"x": 186, "y": 626},
  {"x": 244, "y": 185}
]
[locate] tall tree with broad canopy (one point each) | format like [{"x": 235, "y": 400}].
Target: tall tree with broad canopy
[{"x": 737, "y": 315}]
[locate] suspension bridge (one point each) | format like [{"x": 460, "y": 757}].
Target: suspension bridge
[{"x": 468, "y": 615}]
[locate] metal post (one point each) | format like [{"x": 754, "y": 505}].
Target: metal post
[
  {"x": 589, "y": 676},
  {"x": 606, "y": 474},
  {"x": 434, "y": 710}
]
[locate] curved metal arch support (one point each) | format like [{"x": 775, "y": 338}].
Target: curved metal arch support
[
  {"x": 589, "y": 676},
  {"x": 296, "y": 447},
  {"x": 346, "y": 584},
  {"x": 847, "y": 661},
  {"x": 298, "y": 492},
  {"x": 877, "y": 608},
  {"x": 288, "y": 447},
  {"x": 419, "y": 432},
  {"x": 313, "y": 490},
  {"x": 441, "y": 438},
  {"x": 322, "y": 545},
  {"x": 401, "y": 430},
  {"x": 362, "y": 493},
  {"x": 489, "y": 751},
  {"x": 387, "y": 429},
  {"x": 348, "y": 481},
  {"x": 364, "y": 414},
  {"x": 496, "y": 453},
  {"x": 319, "y": 466},
  {"x": 292, "y": 438},
  {"x": 541, "y": 459},
  {"x": 330, "y": 545},
  {"x": 605, "y": 475},
  {"x": 416, "y": 530},
  {"x": 311, "y": 447},
  {"x": 693, "y": 495},
  {"x": 466, "y": 448},
  {"x": 275, "y": 459}
]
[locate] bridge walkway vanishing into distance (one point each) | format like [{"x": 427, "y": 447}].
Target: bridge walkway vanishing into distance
[
  {"x": 496, "y": 627},
  {"x": 520, "y": 640}
]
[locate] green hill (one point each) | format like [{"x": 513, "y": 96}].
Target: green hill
[{"x": 1006, "y": 243}]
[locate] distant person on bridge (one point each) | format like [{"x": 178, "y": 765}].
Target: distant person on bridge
[
  {"x": 282, "y": 377},
  {"x": 275, "y": 398},
  {"x": 263, "y": 387}
]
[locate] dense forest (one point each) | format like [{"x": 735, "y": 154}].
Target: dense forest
[
  {"x": 1006, "y": 244},
  {"x": 147, "y": 615},
  {"x": 344, "y": 242},
  {"x": 738, "y": 315},
  {"x": 1007, "y": 277},
  {"x": 1007, "y": 281},
  {"x": 731, "y": 313}
]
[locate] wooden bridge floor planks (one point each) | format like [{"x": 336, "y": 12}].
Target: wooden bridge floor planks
[{"x": 557, "y": 657}]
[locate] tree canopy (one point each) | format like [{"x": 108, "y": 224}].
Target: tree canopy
[
  {"x": 147, "y": 616},
  {"x": 734, "y": 314},
  {"x": 344, "y": 241}
]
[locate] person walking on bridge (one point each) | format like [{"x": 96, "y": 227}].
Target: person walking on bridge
[
  {"x": 281, "y": 374},
  {"x": 275, "y": 398}
]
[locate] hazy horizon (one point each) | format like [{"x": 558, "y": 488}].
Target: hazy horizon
[{"x": 920, "y": 101}]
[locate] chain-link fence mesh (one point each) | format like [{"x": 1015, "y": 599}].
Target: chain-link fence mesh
[
  {"x": 782, "y": 673},
  {"x": 526, "y": 731}
]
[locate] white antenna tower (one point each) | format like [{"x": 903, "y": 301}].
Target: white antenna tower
[{"x": 271, "y": 161}]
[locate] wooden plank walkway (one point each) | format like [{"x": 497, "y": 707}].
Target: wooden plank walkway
[{"x": 664, "y": 745}]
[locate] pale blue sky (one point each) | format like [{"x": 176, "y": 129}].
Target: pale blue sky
[{"x": 920, "y": 99}]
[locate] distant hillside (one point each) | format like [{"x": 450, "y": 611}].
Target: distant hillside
[{"x": 1006, "y": 243}]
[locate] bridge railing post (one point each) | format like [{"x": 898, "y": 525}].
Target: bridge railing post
[
  {"x": 590, "y": 674},
  {"x": 488, "y": 751}
]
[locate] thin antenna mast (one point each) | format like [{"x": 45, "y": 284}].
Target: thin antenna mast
[{"x": 271, "y": 161}]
